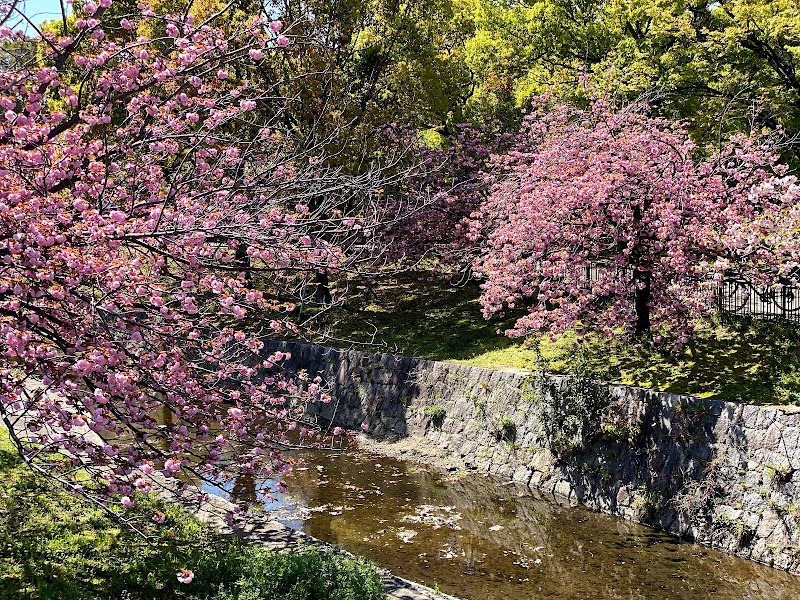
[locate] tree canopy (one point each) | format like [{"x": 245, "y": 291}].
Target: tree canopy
[
  {"x": 717, "y": 64},
  {"x": 175, "y": 175},
  {"x": 604, "y": 219},
  {"x": 145, "y": 183}
]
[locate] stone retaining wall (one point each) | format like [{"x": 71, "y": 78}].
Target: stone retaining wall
[{"x": 726, "y": 475}]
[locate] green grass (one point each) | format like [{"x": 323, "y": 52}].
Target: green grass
[
  {"x": 417, "y": 315},
  {"x": 421, "y": 315},
  {"x": 57, "y": 547},
  {"x": 750, "y": 362}
]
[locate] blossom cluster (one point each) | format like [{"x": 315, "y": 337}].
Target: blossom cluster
[{"x": 145, "y": 180}]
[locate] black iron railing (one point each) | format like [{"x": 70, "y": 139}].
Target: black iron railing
[
  {"x": 775, "y": 302},
  {"x": 740, "y": 297}
]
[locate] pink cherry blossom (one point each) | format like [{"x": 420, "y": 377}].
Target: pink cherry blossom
[
  {"x": 172, "y": 466},
  {"x": 125, "y": 270},
  {"x": 185, "y": 576},
  {"x": 605, "y": 219}
]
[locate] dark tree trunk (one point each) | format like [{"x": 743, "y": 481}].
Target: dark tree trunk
[
  {"x": 322, "y": 293},
  {"x": 641, "y": 280},
  {"x": 243, "y": 262}
]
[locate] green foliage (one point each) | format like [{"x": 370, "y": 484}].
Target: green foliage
[
  {"x": 310, "y": 575},
  {"x": 779, "y": 474},
  {"x": 646, "y": 501},
  {"x": 507, "y": 430},
  {"x": 379, "y": 62},
  {"x": 714, "y": 63},
  {"x": 620, "y": 432},
  {"x": 55, "y": 546},
  {"x": 435, "y": 414},
  {"x": 479, "y": 403},
  {"x": 720, "y": 65},
  {"x": 569, "y": 410}
]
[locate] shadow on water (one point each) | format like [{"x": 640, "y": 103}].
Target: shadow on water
[{"x": 477, "y": 538}]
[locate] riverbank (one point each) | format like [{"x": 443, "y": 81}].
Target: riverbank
[
  {"x": 722, "y": 474},
  {"x": 54, "y": 545}
]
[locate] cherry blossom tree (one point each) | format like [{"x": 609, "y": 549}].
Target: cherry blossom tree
[
  {"x": 606, "y": 219},
  {"x": 146, "y": 183}
]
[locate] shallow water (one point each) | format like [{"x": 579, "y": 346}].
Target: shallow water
[{"x": 480, "y": 539}]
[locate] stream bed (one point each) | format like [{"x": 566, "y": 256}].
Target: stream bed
[{"x": 478, "y": 538}]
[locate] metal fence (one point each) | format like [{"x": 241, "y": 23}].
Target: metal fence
[
  {"x": 737, "y": 296},
  {"x": 776, "y": 303}
]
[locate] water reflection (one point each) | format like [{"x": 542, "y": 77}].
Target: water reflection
[{"x": 478, "y": 538}]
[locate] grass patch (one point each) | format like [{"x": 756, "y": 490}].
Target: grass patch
[
  {"x": 739, "y": 361},
  {"x": 507, "y": 430},
  {"x": 435, "y": 415},
  {"x": 418, "y": 314},
  {"x": 55, "y": 546}
]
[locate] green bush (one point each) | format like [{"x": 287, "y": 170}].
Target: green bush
[
  {"x": 309, "y": 575},
  {"x": 570, "y": 410},
  {"x": 507, "y": 430},
  {"x": 57, "y": 547},
  {"x": 435, "y": 414}
]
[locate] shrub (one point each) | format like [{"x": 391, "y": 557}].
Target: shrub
[
  {"x": 646, "y": 501},
  {"x": 570, "y": 410},
  {"x": 309, "y": 575},
  {"x": 435, "y": 415},
  {"x": 54, "y": 546},
  {"x": 506, "y": 430}
]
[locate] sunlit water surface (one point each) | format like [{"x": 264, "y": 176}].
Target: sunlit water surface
[{"x": 479, "y": 539}]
